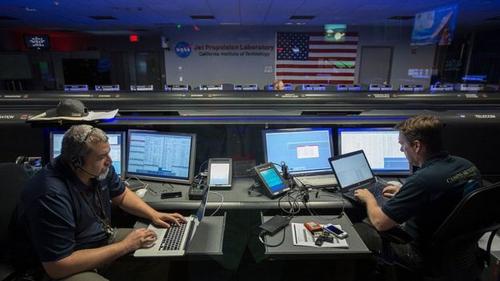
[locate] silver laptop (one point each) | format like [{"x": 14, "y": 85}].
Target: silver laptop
[
  {"x": 174, "y": 241},
  {"x": 353, "y": 171}
]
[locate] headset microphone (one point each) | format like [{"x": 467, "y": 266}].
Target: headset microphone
[{"x": 87, "y": 172}]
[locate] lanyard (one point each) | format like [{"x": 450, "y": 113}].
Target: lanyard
[{"x": 102, "y": 218}]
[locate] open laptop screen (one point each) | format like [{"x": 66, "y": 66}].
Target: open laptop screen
[
  {"x": 116, "y": 142},
  {"x": 351, "y": 169},
  {"x": 304, "y": 150},
  {"x": 381, "y": 148}
]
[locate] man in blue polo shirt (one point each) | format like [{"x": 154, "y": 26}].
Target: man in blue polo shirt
[
  {"x": 427, "y": 197},
  {"x": 63, "y": 219}
]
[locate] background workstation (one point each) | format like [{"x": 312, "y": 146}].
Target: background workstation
[{"x": 230, "y": 43}]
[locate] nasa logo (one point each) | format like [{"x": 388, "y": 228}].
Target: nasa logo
[{"x": 183, "y": 49}]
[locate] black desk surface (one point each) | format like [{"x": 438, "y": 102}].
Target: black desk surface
[
  {"x": 235, "y": 198},
  {"x": 288, "y": 251}
]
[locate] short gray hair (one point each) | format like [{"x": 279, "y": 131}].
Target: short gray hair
[{"x": 76, "y": 140}]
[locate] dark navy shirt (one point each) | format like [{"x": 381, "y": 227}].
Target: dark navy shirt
[
  {"x": 431, "y": 193},
  {"x": 56, "y": 217}
]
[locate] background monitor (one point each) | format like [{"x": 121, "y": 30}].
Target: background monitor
[
  {"x": 162, "y": 156},
  {"x": 381, "y": 148},
  {"x": 116, "y": 142},
  {"x": 304, "y": 150}
]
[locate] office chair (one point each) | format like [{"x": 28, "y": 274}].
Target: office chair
[
  {"x": 453, "y": 252},
  {"x": 13, "y": 178}
]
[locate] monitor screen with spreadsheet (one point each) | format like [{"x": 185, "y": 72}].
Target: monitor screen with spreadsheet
[
  {"x": 116, "y": 142},
  {"x": 304, "y": 150},
  {"x": 163, "y": 156},
  {"x": 381, "y": 148}
]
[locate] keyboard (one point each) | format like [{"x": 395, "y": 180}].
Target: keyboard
[
  {"x": 376, "y": 189},
  {"x": 173, "y": 238},
  {"x": 317, "y": 180}
]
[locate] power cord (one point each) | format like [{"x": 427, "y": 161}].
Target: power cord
[
  {"x": 261, "y": 238},
  {"x": 220, "y": 204}
]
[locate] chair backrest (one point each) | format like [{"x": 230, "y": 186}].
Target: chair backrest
[
  {"x": 12, "y": 179},
  {"x": 477, "y": 213}
]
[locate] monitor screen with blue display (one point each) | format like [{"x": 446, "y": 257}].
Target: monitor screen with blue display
[
  {"x": 116, "y": 142},
  {"x": 304, "y": 150},
  {"x": 381, "y": 148},
  {"x": 162, "y": 156}
]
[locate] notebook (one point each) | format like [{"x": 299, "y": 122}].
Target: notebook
[
  {"x": 353, "y": 171},
  {"x": 174, "y": 241}
]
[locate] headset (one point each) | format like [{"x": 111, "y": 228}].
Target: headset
[{"x": 77, "y": 160}]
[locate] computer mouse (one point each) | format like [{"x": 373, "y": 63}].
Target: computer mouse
[
  {"x": 141, "y": 192},
  {"x": 395, "y": 183}
]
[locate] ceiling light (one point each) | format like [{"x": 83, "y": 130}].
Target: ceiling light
[
  {"x": 301, "y": 17},
  {"x": 103, "y": 17},
  {"x": 202, "y": 17},
  {"x": 401, "y": 17}
]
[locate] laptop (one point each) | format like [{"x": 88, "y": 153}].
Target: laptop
[
  {"x": 305, "y": 151},
  {"x": 174, "y": 241},
  {"x": 353, "y": 171}
]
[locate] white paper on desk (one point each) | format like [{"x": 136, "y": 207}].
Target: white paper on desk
[
  {"x": 303, "y": 237},
  {"x": 91, "y": 116}
]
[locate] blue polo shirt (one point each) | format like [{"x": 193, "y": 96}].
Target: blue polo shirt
[
  {"x": 56, "y": 217},
  {"x": 431, "y": 193}
]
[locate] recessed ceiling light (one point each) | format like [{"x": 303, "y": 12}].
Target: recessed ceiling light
[
  {"x": 8, "y": 18},
  {"x": 493, "y": 18},
  {"x": 301, "y": 17},
  {"x": 103, "y": 17},
  {"x": 401, "y": 17},
  {"x": 202, "y": 17}
]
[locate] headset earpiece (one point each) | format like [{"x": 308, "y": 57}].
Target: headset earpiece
[{"x": 77, "y": 161}]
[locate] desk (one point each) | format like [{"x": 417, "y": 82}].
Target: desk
[
  {"x": 235, "y": 198},
  {"x": 288, "y": 251}
]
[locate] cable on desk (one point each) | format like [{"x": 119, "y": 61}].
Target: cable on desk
[
  {"x": 342, "y": 211},
  {"x": 220, "y": 204},
  {"x": 261, "y": 238}
]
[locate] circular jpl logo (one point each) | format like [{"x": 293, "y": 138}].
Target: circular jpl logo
[{"x": 183, "y": 49}]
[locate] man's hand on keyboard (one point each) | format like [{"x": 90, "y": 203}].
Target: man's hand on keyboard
[
  {"x": 363, "y": 195},
  {"x": 164, "y": 220},
  {"x": 139, "y": 238},
  {"x": 390, "y": 190}
]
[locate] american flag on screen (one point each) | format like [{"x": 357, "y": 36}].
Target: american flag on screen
[{"x": 306, "y": 58}]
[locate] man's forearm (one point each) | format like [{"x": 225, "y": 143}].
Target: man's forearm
[
  {"x": 134, "y": 205},
  {"x": 379, "y": 220},
  {"x": 84, "y": 260}
]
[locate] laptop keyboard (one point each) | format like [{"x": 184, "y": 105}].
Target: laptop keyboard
[
  {"x": 377, "y": 190},
  {"x": 173, "y": 237},
  {"x": 317, "y": 180}
]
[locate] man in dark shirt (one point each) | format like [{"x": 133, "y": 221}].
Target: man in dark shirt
[
  {"x": 65, "y": 210},
  {"x": 427, "y": 197}
]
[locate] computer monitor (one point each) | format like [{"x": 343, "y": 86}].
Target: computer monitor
[
  {"x": 381, "y": 148},
  {"x": 116, "y": 142},
  {"x": 304, "y": 150},
  {"x": 162, "y": 156}
]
